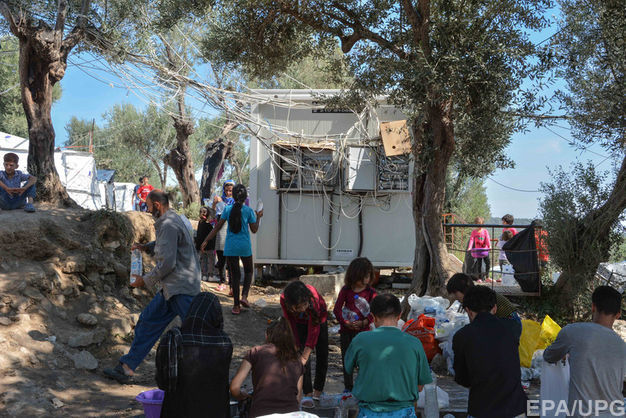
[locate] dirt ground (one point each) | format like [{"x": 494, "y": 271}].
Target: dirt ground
[{"x": 60, "y": 265}]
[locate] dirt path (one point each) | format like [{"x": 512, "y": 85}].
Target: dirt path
[{"x": 88, "y": 394}]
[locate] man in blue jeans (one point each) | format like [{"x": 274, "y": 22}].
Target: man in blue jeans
[
  {"x": 177, "y": 273},
  {"x": 14, "y": 195}
]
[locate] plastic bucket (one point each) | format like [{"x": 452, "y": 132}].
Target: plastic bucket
[{"x": 151, "y": 401}]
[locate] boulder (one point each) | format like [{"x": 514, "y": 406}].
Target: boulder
[
  {"x": 83, "y": 339},
  {"x": 87, "y": 319},
  {"x": 85, "y": 360},
  {"x": 74, "y": 264},
  {"x": 328, "y": 285}
]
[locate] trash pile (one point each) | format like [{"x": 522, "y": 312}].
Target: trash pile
[
  {"x": 434, "y": 321},
  {"x": 534, "y": 339}
]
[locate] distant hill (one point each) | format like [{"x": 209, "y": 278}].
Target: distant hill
[{"x": 518, "y": 221}]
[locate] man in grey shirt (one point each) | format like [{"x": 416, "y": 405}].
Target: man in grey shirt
[
  {"x": 597, "y": 357},
  {"x": 177, "y": 274}
]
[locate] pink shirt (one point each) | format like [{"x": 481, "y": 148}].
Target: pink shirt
[{"x": 479, "y": 240}]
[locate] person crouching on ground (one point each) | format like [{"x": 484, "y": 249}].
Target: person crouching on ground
[
  {"x": 486, "y": 360},
  {"x": 393, "y": 367},
  {"x": 193, "y": 361},
  {"x": 238, "y": 245},
  {"x": 177, "y": 271},
  {"x": 305, "y": 309},
  {"x": 460, "y": 283},
  {"x": 276, "y": 373},
  {"x": 359, "y": 275},
  {"x": 12, "y": 194}
]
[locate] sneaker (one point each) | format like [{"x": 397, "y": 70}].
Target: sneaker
[{"x": 29, "y": 208}]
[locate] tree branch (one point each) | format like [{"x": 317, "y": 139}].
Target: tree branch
[
  {"x": 359, "y": 31},
  {"x": 61, "y": 16},
  {"x": 78, "y": 32},
  {"x": 6, "y": 12},
  {"x": 414, "y": 19}
]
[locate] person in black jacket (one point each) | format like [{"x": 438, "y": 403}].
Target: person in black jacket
[
  {"x": 193, "y": 362},
  {"x": 486, "y": 359}
]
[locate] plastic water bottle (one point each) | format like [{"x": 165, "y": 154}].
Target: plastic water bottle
[
  {"x": 362, "y": 305},
  {"x": 348, "y": 315},
  {"x": 136, "y": 264}
]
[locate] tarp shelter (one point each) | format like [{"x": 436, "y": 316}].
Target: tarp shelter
[
  {"x": 77, "y": 170},
  {"x": 106, "y": 186},
  {"x": 124, "y": 195}
]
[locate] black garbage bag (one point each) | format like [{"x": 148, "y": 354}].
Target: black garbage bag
[{"x": 521, "y": 251}]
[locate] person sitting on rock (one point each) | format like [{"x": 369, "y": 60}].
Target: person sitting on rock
[{"x": 12, "y": 194}]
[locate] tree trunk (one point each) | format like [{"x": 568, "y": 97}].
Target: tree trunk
[
  {"x": 180, "y": 160},
  {"x": 37, "y": 77},
  {"x": 215, "y": 155},
  {"x": 431, "y": 265},
  {"x": 592, "y": 240}
]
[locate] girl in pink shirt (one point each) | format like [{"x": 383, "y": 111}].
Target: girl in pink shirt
[{"x": 479, "y": 246}]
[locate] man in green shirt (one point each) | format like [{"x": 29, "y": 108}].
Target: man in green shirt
[{"x": 392, "y": 365}]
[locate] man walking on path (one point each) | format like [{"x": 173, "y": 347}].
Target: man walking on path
[
  {"x": 177, "y": 274},
  {"x": 597, "y": 357}
]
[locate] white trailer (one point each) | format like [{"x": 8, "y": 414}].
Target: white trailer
[{"x": 329, "y": 191}]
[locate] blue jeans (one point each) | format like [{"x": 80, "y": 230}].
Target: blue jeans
[
  {"x": 152, "y": 322},
  {"x": 400, "y": 413},
  {"x": 8, "y": 202}
]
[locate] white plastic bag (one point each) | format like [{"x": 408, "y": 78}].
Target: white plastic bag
[
  {"x": 554, "y": 385},
  {"x": 508, "y": 275},
  {"x": 443, "y": 399}
]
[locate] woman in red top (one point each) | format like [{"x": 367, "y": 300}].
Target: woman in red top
[
  {"x": 306, "y": 312},
  {"x": 357, "y": 285}
]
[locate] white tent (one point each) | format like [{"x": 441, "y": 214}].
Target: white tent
[{"x": 77, "y": 170}]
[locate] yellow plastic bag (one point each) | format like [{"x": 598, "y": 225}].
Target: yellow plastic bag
[
  {"x": 549, "y": 331},
  {"x": 528, "y": 341}
]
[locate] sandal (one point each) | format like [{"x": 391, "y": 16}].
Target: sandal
[
  {"x": 244, "y": 303},
  {"x": 307, "y": 402},
  {"x": 117, "y": 373},
  {"x": 236, "y": 310}
]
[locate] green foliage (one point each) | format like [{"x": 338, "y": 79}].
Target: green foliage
[
  {"x": 591, "y": 52},
  {"x": 572, "y": 201},
  {"x": 618, "y": 252},
  {"x": 192, "y": 211},
  {"x": 477, "y": 60},
  {"x": 132, "y": 142},
  {"x": 319, "y": 72},
  {"x": 12, "y": 119},
  {"x": 469, "y": 201}
]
